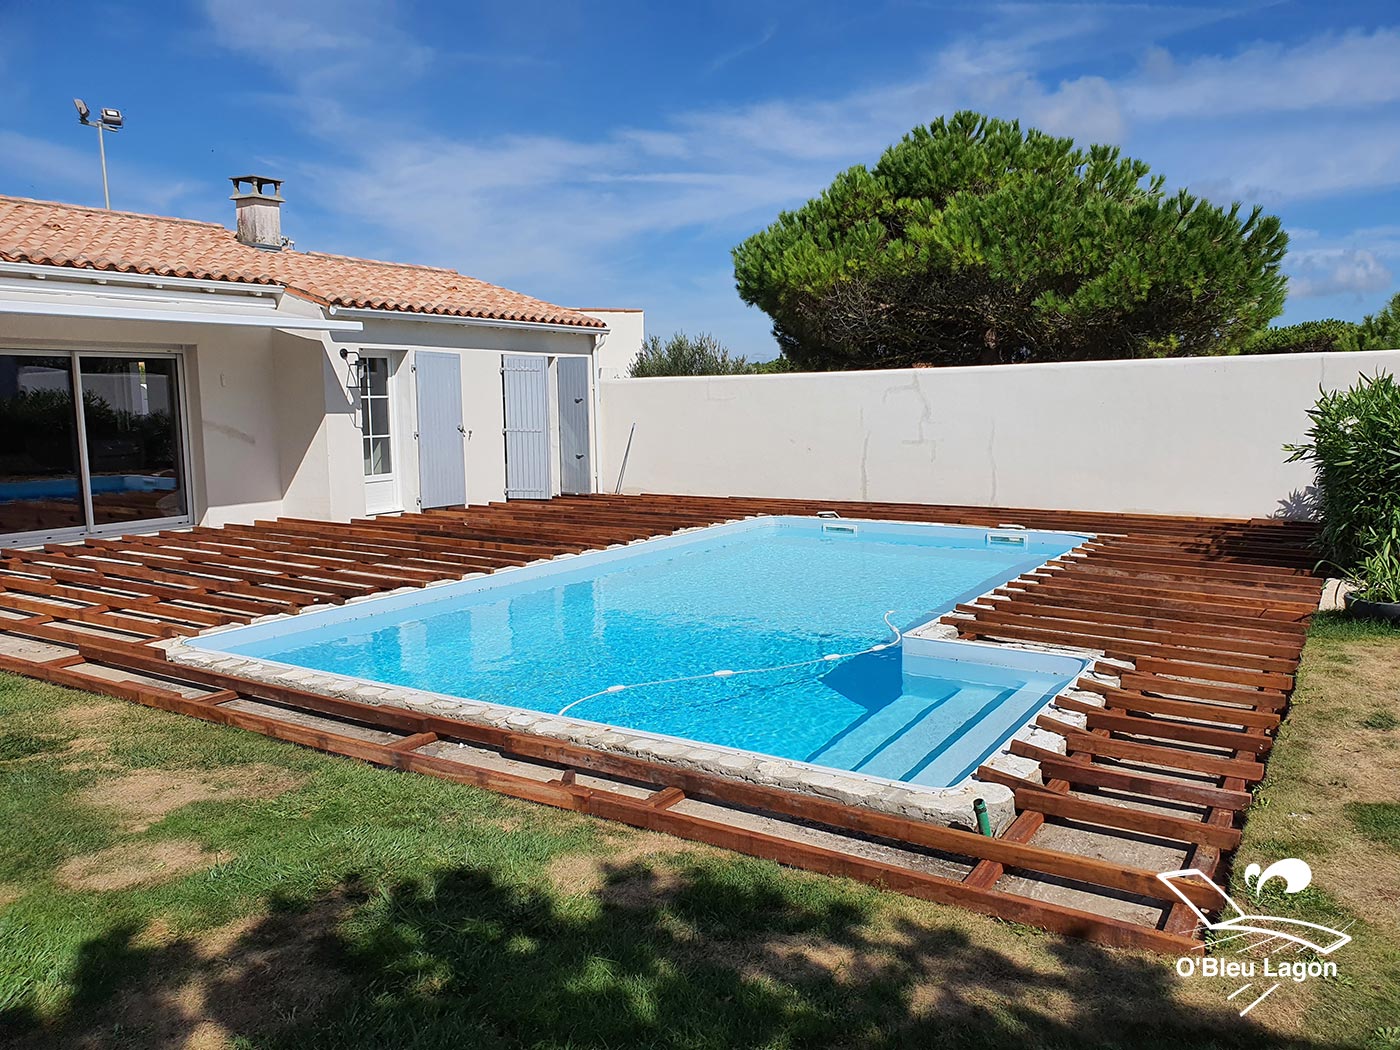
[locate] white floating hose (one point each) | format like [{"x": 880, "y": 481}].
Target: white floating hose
[{"x": 828, "y": 658}]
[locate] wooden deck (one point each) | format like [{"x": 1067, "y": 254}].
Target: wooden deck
[{"x": 1207, "y": 618}]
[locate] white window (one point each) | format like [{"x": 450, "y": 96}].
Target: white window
[
  {"x": 374, "y": 417},
  {"x": 378, "y": 434}
]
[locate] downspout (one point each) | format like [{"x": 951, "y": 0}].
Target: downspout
[{"x": 597, "y": 428}]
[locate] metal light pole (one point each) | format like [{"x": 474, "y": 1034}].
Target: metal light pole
[{"x": 107, "y": 120}]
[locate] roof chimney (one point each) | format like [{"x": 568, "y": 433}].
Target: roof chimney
[{"x": 258, "y": 203}]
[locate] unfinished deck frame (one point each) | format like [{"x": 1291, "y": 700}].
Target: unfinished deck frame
[{"x": 1206, "y": 616}]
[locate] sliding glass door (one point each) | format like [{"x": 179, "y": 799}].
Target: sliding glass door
[
  {"x": 90, "y": 442},
  {"x": 40, "y": 468},
  {"x": 132, "y": 432}
]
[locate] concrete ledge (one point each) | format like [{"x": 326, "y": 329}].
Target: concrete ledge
[
  {"x": 950, "y": 806},
  {"x": 1334, "y": 595}
]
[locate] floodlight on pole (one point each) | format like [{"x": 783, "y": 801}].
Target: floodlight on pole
[{"x": 107, "y": 120}]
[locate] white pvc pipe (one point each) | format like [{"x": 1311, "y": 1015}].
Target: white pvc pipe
[{"x": 626, "y": 452}]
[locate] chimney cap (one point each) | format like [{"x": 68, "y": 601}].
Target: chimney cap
[{"x": 256, "y": 186}]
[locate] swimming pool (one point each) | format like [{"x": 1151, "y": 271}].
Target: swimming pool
[{"x": 801, "y": 617}]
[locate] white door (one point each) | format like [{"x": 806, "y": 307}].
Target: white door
[
  {"x": 377, "y": 435},
  {"x": 526, "y": 385},
  {"x": 442, "y": 462},
  {"x": 575, "y": 474}
]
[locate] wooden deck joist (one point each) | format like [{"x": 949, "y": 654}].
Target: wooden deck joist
[{"x": 1205, "y": 618}]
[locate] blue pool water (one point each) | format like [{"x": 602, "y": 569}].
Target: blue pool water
[
  {"x": 67, "y": 488},
  {"x": 747, "y": 595}
]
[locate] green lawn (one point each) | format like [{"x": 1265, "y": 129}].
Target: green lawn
[
  {"x": 1330, "y": 797},
  {"x": 167, "y": 883}
]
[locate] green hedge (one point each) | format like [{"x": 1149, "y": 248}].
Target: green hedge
[
  {"x": 1354, "y": 443},
  {"x": 1309, "y": 337}
]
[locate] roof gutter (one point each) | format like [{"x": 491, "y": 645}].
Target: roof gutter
[
  {"x": 144, "y": 280},
  {"x": 256, "y": 319},
  {"x": 474, "y": 322},
  {"x": 53, "y": 291}
]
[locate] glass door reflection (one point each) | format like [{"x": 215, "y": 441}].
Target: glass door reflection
[
  {"x": 131, "y": 424},
  {"x": 40, "y": 467}
]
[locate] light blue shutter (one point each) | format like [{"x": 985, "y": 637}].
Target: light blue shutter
[
  {"x": 574, "y": 468},
  {"x": 526, "y": 384},
  {"x": 442, "y": 454}
]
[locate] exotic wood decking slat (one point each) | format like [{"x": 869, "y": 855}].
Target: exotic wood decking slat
[
  {"x": 342, "y": 562},
  {"x": 1031, "y": 603},
  {"x": 250, "y": 569},
  {"x": 1082, "y": 771},
  {"x": 57, "y": 569},
  {"x": 1154, "y": 752},
  {"x": 1119, "y": 594},
  {"x": 1205, "y": 858},
  {"x": 1262, "y": 654},
  {"x": 96, "y": 614},
  {"x": 1209, "y": 614},
  {"x": 1261, "y": 592},
  {"x": 1024, "y": 597},
  {"x": 136, "y": 570},
  {"x": 1031, "y": 593},
  {"x": 488, "y": 555},
  {"x": 116, "y": 600},
  {"x": 1221, "y": 714},
  {"x": 1059, "y": 804},
  {"x": 276, "y": 562},
  {"x": 1194, "y": 663},
  {"x": 1249, "y": 741}
]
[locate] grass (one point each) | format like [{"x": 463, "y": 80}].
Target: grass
[
  {"x": 165, "y": 882},
  {"x": 1379, "y": 821},
  {"x": 1382, "y": 720},
  {"x": 1329, "y": 798}
]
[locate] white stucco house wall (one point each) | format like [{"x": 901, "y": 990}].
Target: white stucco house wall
[
  {"x": 627, "y": 330},
  {"x": 225, "y": 377}
]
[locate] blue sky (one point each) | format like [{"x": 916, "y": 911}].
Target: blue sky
[{"x": 610, "y": 154}]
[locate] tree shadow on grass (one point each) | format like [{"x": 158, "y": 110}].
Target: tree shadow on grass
[{"x": 690, "y": 958}]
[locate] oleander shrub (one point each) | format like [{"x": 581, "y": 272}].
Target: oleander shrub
[
  {"x": 1354, "y": 444},
  {"x": 1378, "y": 574}
]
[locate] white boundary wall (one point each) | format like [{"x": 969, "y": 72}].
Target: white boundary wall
[{"x": 1189, "y": 436}]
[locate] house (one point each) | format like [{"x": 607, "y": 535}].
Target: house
[
  {"x": 224, "y": 376},
  {"x": 627, "y": 333}
]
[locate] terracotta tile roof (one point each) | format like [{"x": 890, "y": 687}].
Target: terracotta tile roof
[{"x": 51, "y": 234}]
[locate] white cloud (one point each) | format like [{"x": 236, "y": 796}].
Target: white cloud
[
  {"x": 1275, "y": 164},
  {"x": 736, "y": 53},
  {"x": 33, "y": 166},
  {"x": 24, "y": 158},
  {"x": 1336, "y": 71},
  {"x": 318, "y": 41},
  {"x": 325, "y": 52},
  {"x": 1318, "y": 272}
]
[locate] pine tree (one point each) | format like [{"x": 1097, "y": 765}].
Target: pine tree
[
  {"x": 973, "y": 241},
  {"x": 1381, "y": 330}
]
